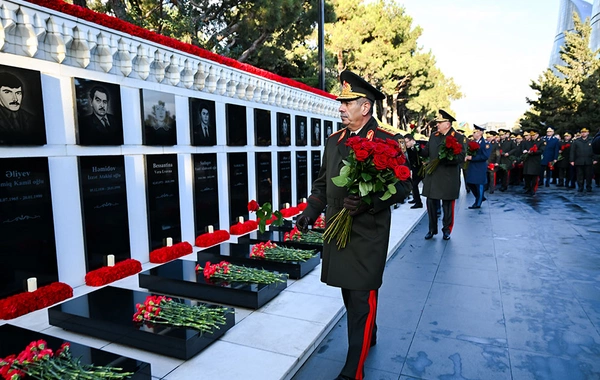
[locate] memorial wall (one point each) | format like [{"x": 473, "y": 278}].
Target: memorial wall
[{"x": 111, "y": 143}]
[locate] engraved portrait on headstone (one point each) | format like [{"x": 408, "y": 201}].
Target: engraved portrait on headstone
[
  {"x": 301, "y": 131},
  {"x": 283, "y": 129},
  {"x": 99, "y": 120},
  {"x": 202, "y": 119},
  {"x": 158, "y": 110},
  {"x": 315, "y": 127},
  {"x": 21, "y": 107}
]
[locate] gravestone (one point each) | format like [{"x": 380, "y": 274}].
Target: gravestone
[
  {"x": 264, "y": 183},
  {"x": 158, "y": 118},
  {"x": 284, "y": 129},
  {"x": 315, "y": 163},
  {"x": 104, "y": 207},
  {"x": 206, "y": 192},
  {"x": 301, "y": 175},
  {"x": 27, "y": 244},
  {"x": 236, "y": 125},
  {"x": 284, "y": 169},
  {"x": 262, "y": 127},
  {"x": 163, "y": 199},
  {"x": 316, "y": 131},
  {"x": 302, "y": 132},
  {"x": 328, "y": 128},
  {"x": 238, "y": 186}
]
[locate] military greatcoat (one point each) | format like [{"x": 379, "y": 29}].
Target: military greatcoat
[
  {"x": 532, "y": 164},
  {"x": 358, "y": 266},
  {"x": 444, "y": 182}
]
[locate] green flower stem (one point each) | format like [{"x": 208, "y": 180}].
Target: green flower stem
[
  {"x": 201, "y": 317},
  {"x": 339, "y": 227},
  {"x": 252, "y": 275},
  {"x": 288, "y": 254}
]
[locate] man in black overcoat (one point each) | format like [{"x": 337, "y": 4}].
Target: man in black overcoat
[{"x": 358, "y": 268}]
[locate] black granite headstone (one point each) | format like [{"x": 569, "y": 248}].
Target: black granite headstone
[
  {"x": 284, "y": 161},
  {"x": 104, "y": 206},
  {"x": 315, "y": 164},
  {"x": 236, "y": 125},
  {"x": 340, "y": 126},
  {"x": 202, "y": 122},
  {"x": 163, "y": 199},
  {"x": 301, "y": 131},
  {"x": 301, "y": 175},
  {"x": 328, "y": 128},
  {"x": 15, "y": 339},
  {"x": 206, "y": 192},
  {"x": 262, "y": 127},
  {"x": 21, "y": 107},
  {"x": 238, "y": 186},
  {"x": 284, "y": 129},
  {"x": 158, "y": 115},
  {"x": 264, "y": 183},
  {"x": 315, "y": 132},
  {"x": 27, "y": 245}
]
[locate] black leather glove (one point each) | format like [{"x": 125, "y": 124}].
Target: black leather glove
[
  {"x": 355, "y": 205},
  {"x": 303, "y": 221}
]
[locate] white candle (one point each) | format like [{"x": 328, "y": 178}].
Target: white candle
[
  {"x": 110, "y": 260},
  {"x": 210, "y": 229},
  {"x": 241, "y": 219},
  {"x": 286, "y": 205},
  {"x": 31, "y": 284},
  {"x": 303, "y": 200},
  {"x": 169, "y": 242}
]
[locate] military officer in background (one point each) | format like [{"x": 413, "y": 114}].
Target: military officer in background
[
  {"x": 477, "y": 167},
  {"x": 443, "y": 184},
  {"x": 492, "y": 160},
  {"x": 583, "y": 159},
  {"x": 532, "y": 152},
  {"x": 550, "y": 155},
  {"x": 563, "y": 164},
  {"x": 507, "y": 151},
  {"x": 358, "y": 268}
]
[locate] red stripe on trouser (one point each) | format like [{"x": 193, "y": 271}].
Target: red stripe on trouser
[
  {"x": 452, "y": 211},
  {"x": 368, "y": 334},
  {"x": 536, "y": 184}
]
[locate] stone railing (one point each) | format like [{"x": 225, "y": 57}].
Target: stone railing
[{"x": 33, "y": 31}]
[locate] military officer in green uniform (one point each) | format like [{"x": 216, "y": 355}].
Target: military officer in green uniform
[
  {"x": 358, "y": 268},
  {"x": 444, "y": 183},
  {"x": 532, "y": 158},
  {"x": 582, "y": 159}
]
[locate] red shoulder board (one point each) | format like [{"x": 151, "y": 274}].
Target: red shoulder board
[
  {"x": 341, "y": 135},
  {"x": 386, "y": 131},
  {"x": 370, "y": 135}
]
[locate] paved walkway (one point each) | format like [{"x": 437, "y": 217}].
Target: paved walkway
[{"x": 515, "y": 294}]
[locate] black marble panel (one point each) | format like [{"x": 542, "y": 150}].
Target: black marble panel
[
  {"x": 264, "y": 175},
  {"x": 284, "y": 129},
  {"x": 301, "y": 131},
  {"x": 27, "y": 245},
  {"x": 104, "y": 207},
  {"x": 284, "y": 171},
  {"x": 301, "y": 175},
  {"x": 276, "y": 236},
  {"x": 179, "y": 277},
  {"x": 107, "y": 314},
  {"x": 15, "y": 339},
  {"x": 158, "y": 115},
  {"x": 262, "y": 127},
  {"x": 163, "y": 199},
  {"x": 328, "y": 128},
  {"x": 238, "y": 186},
  {"x": 99, "y": 120},
  {"x": 202, "y": 120},
  {"x": 340, "y": 126},
  {"x": 315, "y": 163},
  {"x": 206, "y": 192},
  {"x": 239, "y": 254},
  {"x": 316, "y": 132},
  {"x": 21, "y": 107},
  {"x": 237, "y": 134}
]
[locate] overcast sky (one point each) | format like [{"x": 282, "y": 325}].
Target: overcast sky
[{"x": 492, "y": 50}]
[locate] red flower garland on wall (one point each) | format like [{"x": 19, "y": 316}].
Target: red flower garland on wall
[
  {"x": 26, "y": 302},
  {"x": 242, "y": 228},
  {"x": 125, "y": 27},
  {"x": 106, "y": 275},
  {"x": 164, "y": 254},
  {"x": 212, "y": 238}
]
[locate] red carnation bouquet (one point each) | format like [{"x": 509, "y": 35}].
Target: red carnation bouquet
[
  {"x": 533, "y": 149},
  {"x": 265, "y": 215},
  {"x": 448, "y": 151},
  {"x": 372, "y": 167},
  {"x": 472, "y": 148},
  {"x": 562, "y": 149}
]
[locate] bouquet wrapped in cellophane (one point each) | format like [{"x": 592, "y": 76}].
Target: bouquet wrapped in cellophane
[{"x": 372, "y": 167}]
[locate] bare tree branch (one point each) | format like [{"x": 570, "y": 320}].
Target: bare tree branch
[{"x": 255, "y": 45}]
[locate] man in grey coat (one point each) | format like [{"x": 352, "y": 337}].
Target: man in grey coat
[{"x": 444, "y": 182}]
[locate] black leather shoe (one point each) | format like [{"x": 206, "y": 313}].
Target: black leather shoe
[
  {"x": 412, "y": 201},
  {"x": 429, "y": 235},
  {"x": 474, "y": 207},
  {"x": 417, "y": 206},
  {"x": 446, "y": 236}
]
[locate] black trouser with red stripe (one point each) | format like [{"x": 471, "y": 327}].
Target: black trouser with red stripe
[
  {"x": 447, "y": 216},
  {"x": 361, "y": 307}
]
